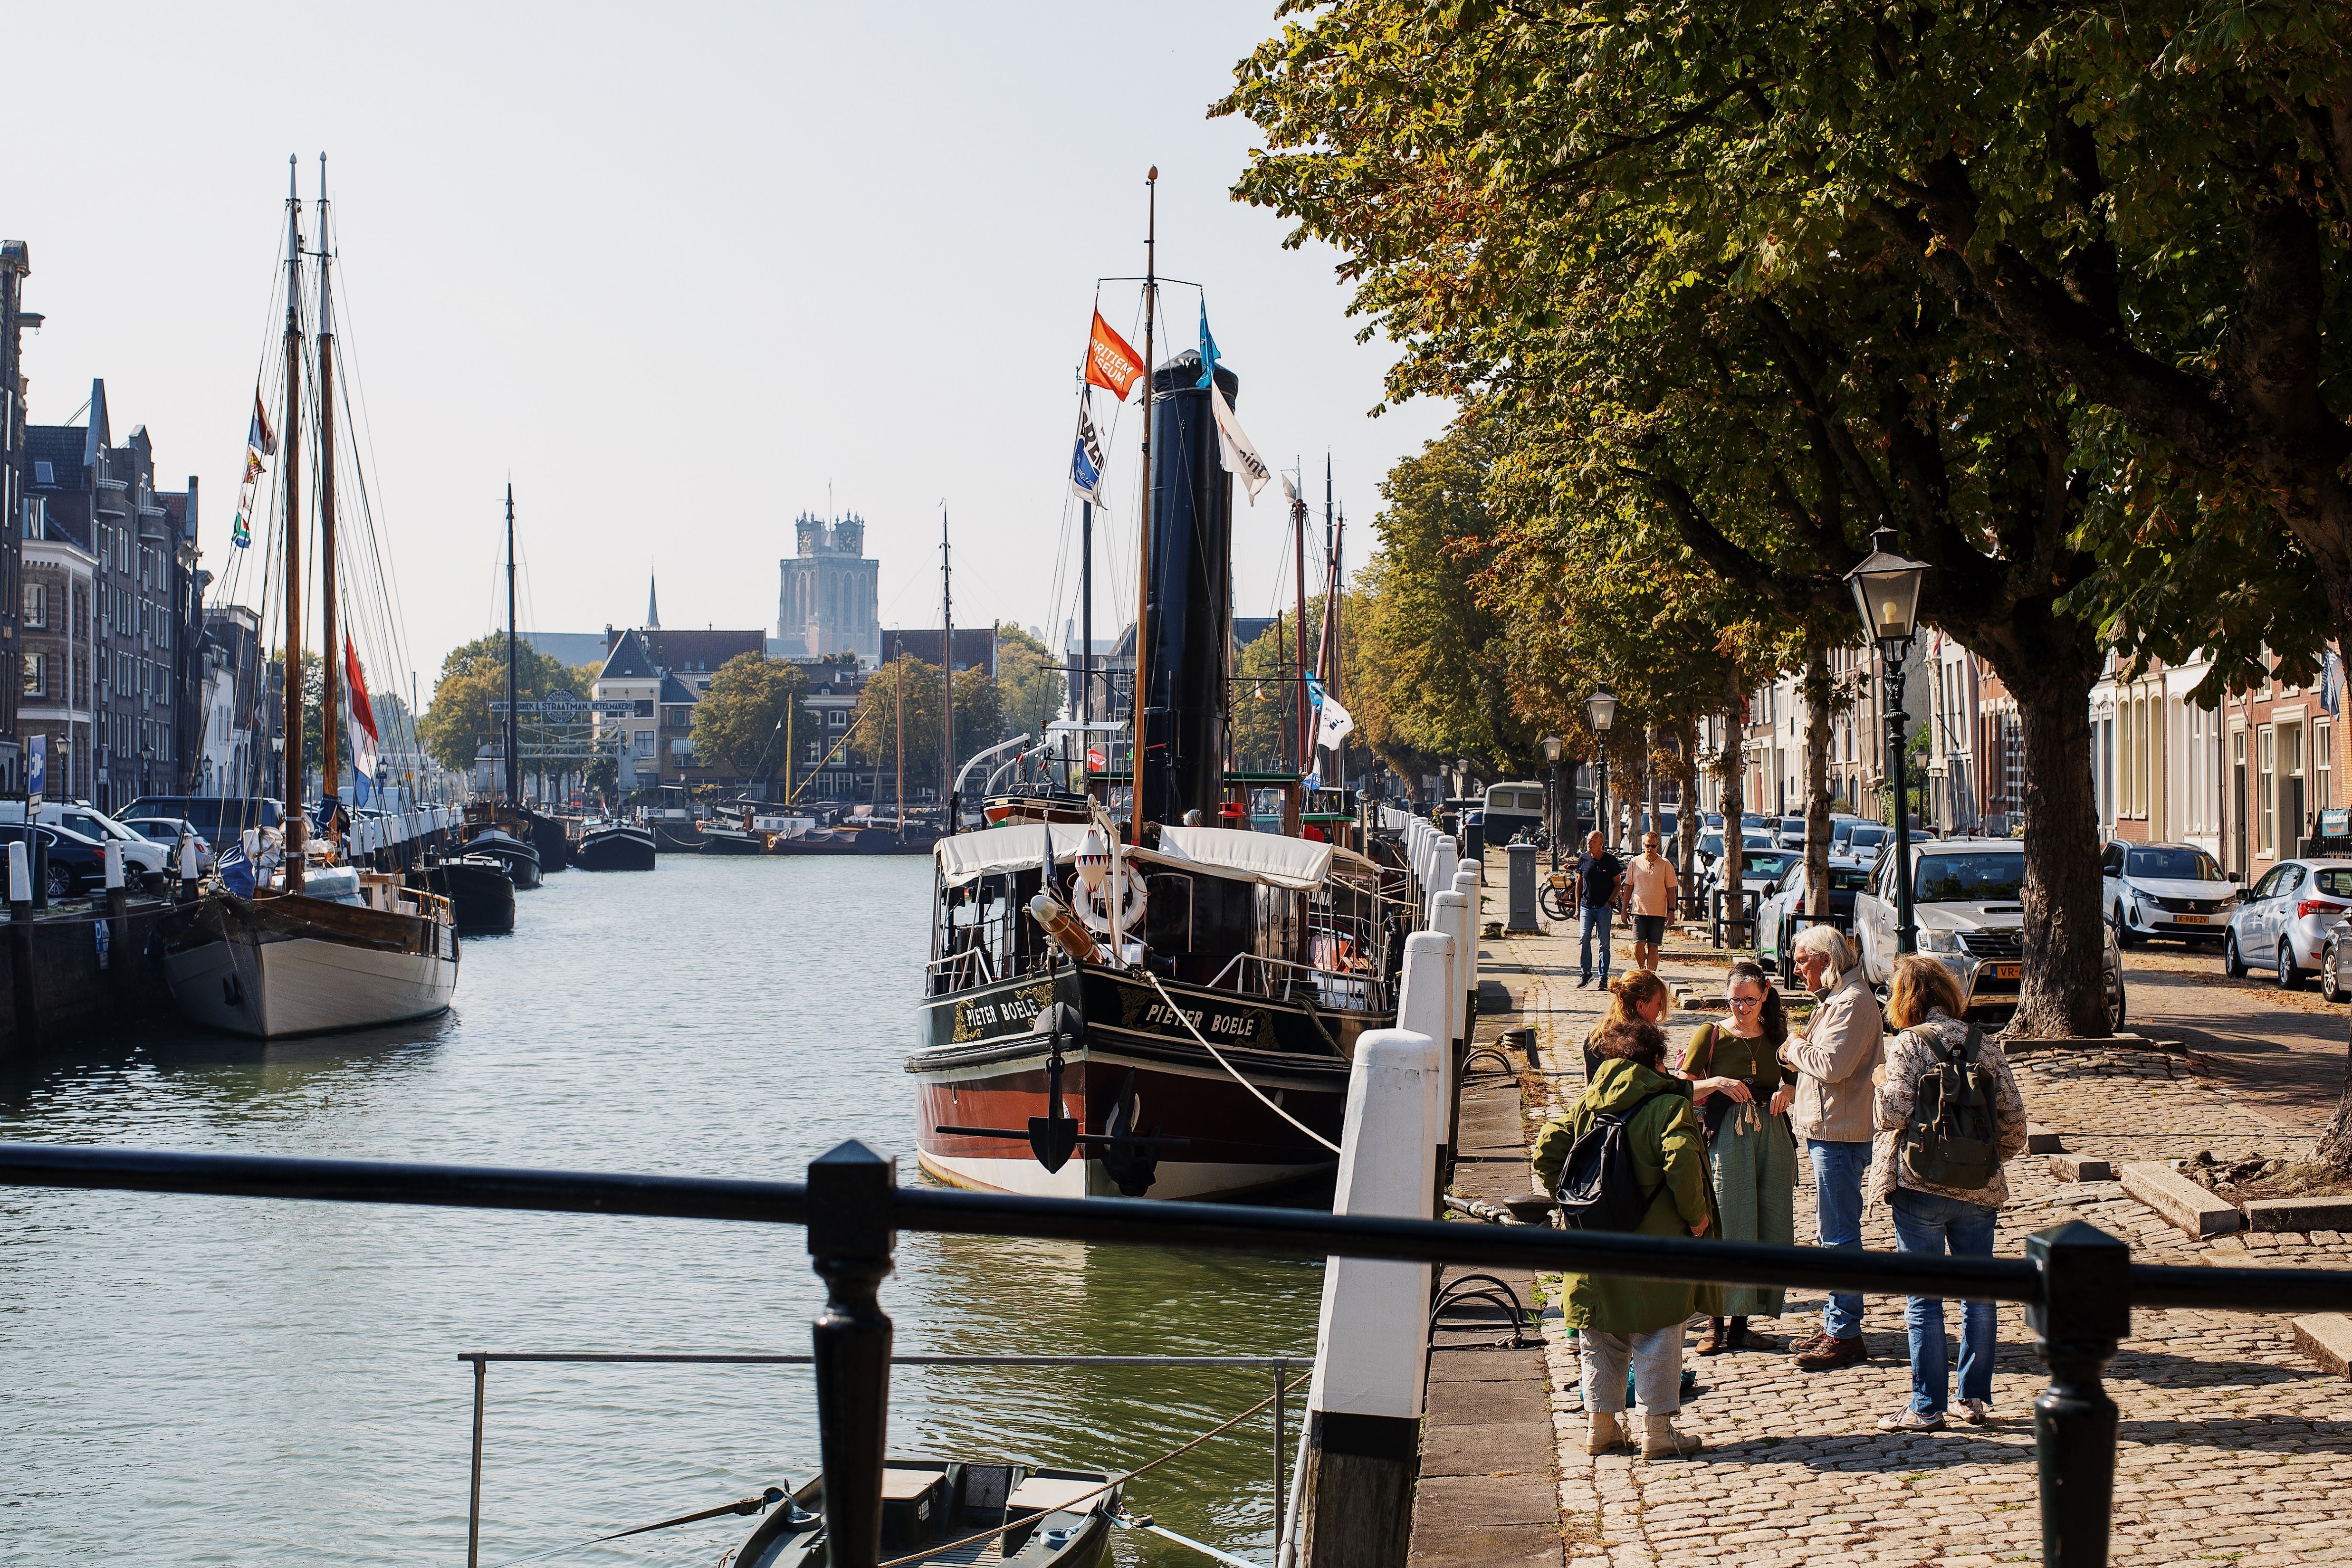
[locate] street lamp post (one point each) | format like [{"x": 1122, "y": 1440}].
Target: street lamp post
[
  {"x": 1600, "y": 712},
  {"x": 1886, "y": 591},
  {"x": 1551, "y": 747}
]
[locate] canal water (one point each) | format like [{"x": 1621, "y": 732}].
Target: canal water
[{"x": 202, "y": 1381}]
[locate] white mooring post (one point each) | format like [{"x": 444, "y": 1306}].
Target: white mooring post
[
  {"x": 1468, "y": 883},
  {"x": 187, "y": 865},
  {"x": 1362, "y": 1445},
  {"x": 1452, "y": 916},
  {"x": 1442, "y": 859},
  {"x": 1422, "y": 986}
]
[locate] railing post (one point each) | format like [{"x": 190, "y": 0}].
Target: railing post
[
  {"x": 474, "y": 1506},
  {"x": 850, "y": 1240},
  {"x": 2085, "y": 1310}
]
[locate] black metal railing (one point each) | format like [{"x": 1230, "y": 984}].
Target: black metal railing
[{"x": 2077, "y": 1283}]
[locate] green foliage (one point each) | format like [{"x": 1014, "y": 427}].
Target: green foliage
[
  {"x": 742, "y": 719},
  {"x": 875, "y": 727},
  {"x": 1030, "y": 687},
  {"x": 458, "y": 719}
]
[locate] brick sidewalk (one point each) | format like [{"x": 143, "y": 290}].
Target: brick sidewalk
[{"x": 2233, "y": 1445}]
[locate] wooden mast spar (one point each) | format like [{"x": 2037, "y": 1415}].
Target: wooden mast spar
[
  {"x": 290, "y": 701},
  {"x": 1137, "y": 709},
  {"x": 331, "y": 646}
]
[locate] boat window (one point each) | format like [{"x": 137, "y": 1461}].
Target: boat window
[{"x": 1167, "y": 913}]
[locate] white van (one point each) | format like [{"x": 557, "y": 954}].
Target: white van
[{"x": 140, "y": 853}]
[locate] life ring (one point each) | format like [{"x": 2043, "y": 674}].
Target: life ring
[{"x": 1094, "y": 903}]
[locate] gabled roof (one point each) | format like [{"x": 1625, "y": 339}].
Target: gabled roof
[
  {"x": 673, "y": 689},
  {"x": 60, "y": 447},
  {"x": 628, "y": 660}
]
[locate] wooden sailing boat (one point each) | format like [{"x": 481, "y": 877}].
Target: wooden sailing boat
[
  {"x": 322, "y": 945},
  {"x": 1162, "y": 1007}
]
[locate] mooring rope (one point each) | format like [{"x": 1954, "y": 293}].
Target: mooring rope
[
  {"x": 1186, "y": 1019},
  {"x": 1118, "y": 1480}
]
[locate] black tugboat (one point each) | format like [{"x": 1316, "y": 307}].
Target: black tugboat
[
  {"x": 941, "y": 1512},
  {"x": 1177, "y": 1020},
  {"x": 615, "y": 846},
  {"x": 519, "y": 857},
  {"x": 481, "y": 892}
]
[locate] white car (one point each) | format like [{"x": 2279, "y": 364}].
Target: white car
[
  {"x": 2165, "y": 890},
  {"x": 2284, "y": 921},
  {"x": 140, "y": 853},
  {"x": 1965, "y": 903},
  {"x": 1858, "y": 843}
]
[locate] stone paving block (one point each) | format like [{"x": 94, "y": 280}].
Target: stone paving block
[
  {"x": 2179, "y": 1201},
  {"x": 2326, "y": 1338},
  {"x": 2081, "y": 1168},
  {"x": 2040, "y": 1140},
  {"x": 2298, "y": 1214}
]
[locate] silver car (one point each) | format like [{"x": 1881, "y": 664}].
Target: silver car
[
  {"x": 2163, "y": 890},
  {"x": 2282, "y": 922},
  {"x": 1966, "y": 902}
]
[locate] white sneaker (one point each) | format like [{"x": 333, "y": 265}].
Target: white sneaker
[
  {"x": 1976, "y": 1413},
  {"x": 1909, "y": 1420}
]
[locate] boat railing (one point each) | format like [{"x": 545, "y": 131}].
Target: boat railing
[
  {"x": 959, "y": 972},
  {"x": 1284, "y": 1370},
  {"x": 1286, "y": 980},
  {"x": 2078, "y": 1284}
]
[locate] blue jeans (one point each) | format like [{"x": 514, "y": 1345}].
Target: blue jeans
[
  {"x": 1837, "y": 1219},
  {"x": 1927, "y": 1222},
  {"x": 1591, "y": 922}
]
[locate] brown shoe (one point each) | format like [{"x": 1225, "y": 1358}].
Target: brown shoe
[
  {"x": 1814, "y": 1341},
  {"x": 1717, "y": 1339},
  {"x": 1836, "y": 1353},
  {"x": 1744, "y": 1340}
]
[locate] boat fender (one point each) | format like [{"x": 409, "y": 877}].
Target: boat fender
[
  {"x": 1094, "y": 903},
  {"x": 1063, "y": 926}
]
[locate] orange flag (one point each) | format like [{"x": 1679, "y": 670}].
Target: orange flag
[{"x": 1110, "y": 363}]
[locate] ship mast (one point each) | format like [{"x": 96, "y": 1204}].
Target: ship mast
[
  {"x": 947, "y": 674},
  {"x": 514, "y": 756},
  {"x": 1137, "y": 720},
  {"x": 290, "y": 705},
  {"x": 331, "y": 647}
]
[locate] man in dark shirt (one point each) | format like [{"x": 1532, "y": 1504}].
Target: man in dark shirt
[{"x": 1600, "y": 888}]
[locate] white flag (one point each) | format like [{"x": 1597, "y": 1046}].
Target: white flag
[
  {"x": 1241, "y": 457},
  {"x": 1334, "y": 726}
]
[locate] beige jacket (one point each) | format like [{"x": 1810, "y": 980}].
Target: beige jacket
[
  {"x": 1833, "y": 1060},
  {"x": 1909, "y": 1056}
]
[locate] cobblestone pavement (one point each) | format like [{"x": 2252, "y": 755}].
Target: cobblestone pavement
[
  {"x": 2234, "y": 1447},
  {"x": 2282, "y": 1052}
]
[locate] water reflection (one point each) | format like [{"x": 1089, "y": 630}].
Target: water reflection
[{"x": 201, "y": 1379}]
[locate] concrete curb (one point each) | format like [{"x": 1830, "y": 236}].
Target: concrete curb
[
  {"x": 2039, "y": 1139},
  {"x": 2326, "y": 1338},
  {"x": 2015, "y": 1044},
  {"x": 2298, "y": 1214},
  {"x": 2186, "y": 1206},
  {"x": 2080, "y": 1168}
]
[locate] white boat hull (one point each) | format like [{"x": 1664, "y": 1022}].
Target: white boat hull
[{"x": 304, "y": 985}]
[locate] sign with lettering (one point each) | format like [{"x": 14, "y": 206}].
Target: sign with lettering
[
  {"x": 1218, "y": 1026},
  {"x": 1006, "y": 1013}
]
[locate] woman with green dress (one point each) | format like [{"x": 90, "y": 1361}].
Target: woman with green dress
[{"x": 1734, "y": 1067}]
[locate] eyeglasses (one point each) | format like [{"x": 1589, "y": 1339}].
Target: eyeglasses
[{"x": 1744, "y": 1002}]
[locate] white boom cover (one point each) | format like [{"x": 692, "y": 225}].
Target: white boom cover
[
  {"x": 1265, "y": 857},
  {"x": 965, "y": 857}
]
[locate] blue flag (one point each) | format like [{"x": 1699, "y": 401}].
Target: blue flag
[
  {"x": 1087, "y": 458},
  {"x": 1208, "y": 349}
]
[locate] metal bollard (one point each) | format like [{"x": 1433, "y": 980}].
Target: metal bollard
[
  {"x": 187, "y": 867},
  {"x": 2085, "y": 1310},
  {"x": 850, "y": 1242},
  {"x": 118, "y": 897}
]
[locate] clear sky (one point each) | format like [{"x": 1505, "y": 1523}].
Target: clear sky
[{"x": 680, "y": 272}]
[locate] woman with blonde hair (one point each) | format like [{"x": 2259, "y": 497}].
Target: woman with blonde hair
[
  {"x": 1944, "y": 1194},
  {"x": 1636, "y": 997},
  {"x": 1735, "y": 1074}
]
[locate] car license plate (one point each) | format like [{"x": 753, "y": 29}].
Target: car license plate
[
  {"x": 2192, "y": 920},
  {"x": 2005, "y": 971}
]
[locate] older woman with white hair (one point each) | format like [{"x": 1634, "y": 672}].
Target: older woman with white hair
[{"x": 1831, "y": 1108}]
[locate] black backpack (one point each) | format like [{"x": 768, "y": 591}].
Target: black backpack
[
  {"x": 1598, "y": 1188},
  {"x": 1952, "y": 1137}
]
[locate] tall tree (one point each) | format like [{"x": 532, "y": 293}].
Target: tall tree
[
  {"x": 744, "y": 718},
  {"x": 1562, "y": 231},
  {"x": 458, "y": 721},
  {"x": 1030, "y": 683}
]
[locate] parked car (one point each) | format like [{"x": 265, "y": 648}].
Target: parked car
[
  {"x": 76, "y": 864},
  {"x": 1857, "y": 842},
  {"x": 140, "y": 853},
  {"x": 1512, "y": 809},
  {"x": 1965, "y": 899},
  {"x": 1777, "y": 923},
  {"x": 2282, "y": 922},
  {"x": 167, "y": 831},
  {"x": 220, "y": 818},
  {"x": 2165, "y": 890},
  {"x": 1765, "y": 868}
]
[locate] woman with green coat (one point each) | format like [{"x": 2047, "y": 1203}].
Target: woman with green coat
[{"x": 1621, "y": 1321}]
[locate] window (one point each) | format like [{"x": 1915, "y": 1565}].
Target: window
[
  {"x": 36, "y": 604},
  {"x": 644, "y": 743},
  {"x": 2144, "y": 755},
  {"x": 2323, "y": 766},
  {"x": 36, "y": 674},
  {"x": 2265, "y": 785},
  {"x": 36, "y": 511}
]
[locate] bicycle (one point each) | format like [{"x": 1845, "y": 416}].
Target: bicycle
[{"x": 1558, "y": 898}]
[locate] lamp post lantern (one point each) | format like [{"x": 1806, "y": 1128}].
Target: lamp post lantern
[
  {"x": 1886, "y": 592},
  {"x": 1553, "y": 746},
  {"x": 1600, "y": 712}
]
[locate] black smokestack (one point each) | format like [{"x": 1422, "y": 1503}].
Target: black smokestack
[{"x": 1191, "y": 596}]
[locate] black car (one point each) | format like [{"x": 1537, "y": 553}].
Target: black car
[{"x": 75, "y": 863}]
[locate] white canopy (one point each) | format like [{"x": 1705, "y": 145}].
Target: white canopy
[
  {"x": 965, "y": 857},
  {"x": 1250, "y": 856}
]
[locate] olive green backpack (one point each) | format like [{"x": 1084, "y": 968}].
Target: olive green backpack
[{"x": 1952, "y": 1138}]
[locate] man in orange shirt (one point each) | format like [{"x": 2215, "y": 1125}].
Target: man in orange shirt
[{"x": 1650, "y": 888}]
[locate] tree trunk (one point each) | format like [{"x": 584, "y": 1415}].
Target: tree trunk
[
  {"x": 1817, "y": 690},
  {"x": 1689, "y": 820},
  {"x": 2064, "y": 992}
]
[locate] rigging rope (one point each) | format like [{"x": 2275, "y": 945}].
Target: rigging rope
[{"x": 1186, "y": 1019}]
